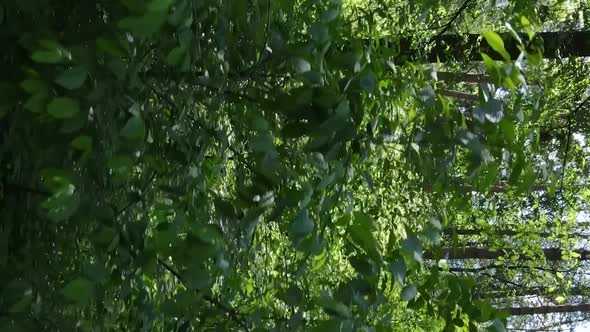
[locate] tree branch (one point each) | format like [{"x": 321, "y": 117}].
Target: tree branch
[
  {"x": 231, "y": 312},
  {"x": 453, "y": 18}
]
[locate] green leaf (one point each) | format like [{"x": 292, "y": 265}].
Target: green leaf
[
  {"x": 337, "y": 309},
  {"x": 79, "y": 291},
  {"x": 412, "y": 246},
  {"x": 496, "y": 42},
  {"x": 361, "y": 234},
  {"x": 160, "y": 5},
  {"x": 409, "y": 293},
  {"x": 144, "y": 26},
  {"x": 497, "y": 326},
  {"x": 494, "y": 110},
  {"x": 319, "y": 33},
  {"x": 17, "y": 295},
  {"x": 302, "y": 224},
  {"x": 197, "y": 277},
  {"x": 301, "y": 65},
  {"x": 51, "y": 52},
  {"x": 121, "y": 164},
  {"x": 398, "y": 270},
  {"x": 293, "y": 295},
  {"x": 485, "y": 310},
  {"x": 333, "y": 325},
  {"x": 63, "y": 108},
  {"x": 492, "y": 68},
  {"x": 83, "y": 143},
  {"x": 72, "y": 78},
  {"x": 368, "y": 81},
  {"x": 508, "y": 129},
  {"x": 37, "y": 103},
  {"x": 330, "y": 15},
  {"x": 110, "y": 47},
  {"x": 47, "y": 56},
  {"x": 34, "y": 86},
  {"x": 363, "y": 265},
  {"x": 63, "y": 204},
  {"x": 175, "y": 56},
  {"x": 526, "y": 24},
  {"x": 134, "y": 129}
]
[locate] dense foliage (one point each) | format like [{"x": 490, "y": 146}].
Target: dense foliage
[{"x": 229, "y": 165}]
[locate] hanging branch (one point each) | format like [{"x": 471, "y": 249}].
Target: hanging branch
[
  {"x": 209, "y": 130},
  {"x": 447, "y": 25},
  {"x": 231, "y": 312}
]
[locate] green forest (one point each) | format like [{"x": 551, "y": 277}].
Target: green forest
[{"x": 294, "y": 165}]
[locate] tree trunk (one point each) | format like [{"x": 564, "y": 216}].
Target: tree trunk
[
  {"x": 461, "y": 77},
  {"x": 536, "y": 291},
  {"x": 551, "y": 254},
  {"x": 467, "y": 98},
  {"x": 518, "y": 311},
  {"x": 468, "y": 47},
  {"x": 503, "y": 232}
]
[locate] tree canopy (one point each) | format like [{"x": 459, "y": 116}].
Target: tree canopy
[{"x": 294, "y": 165}]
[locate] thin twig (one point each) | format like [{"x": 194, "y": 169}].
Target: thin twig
[
  {"x": 453, "y": 18},
  {"x": 228, "y": 310},
  {"x": 231, "y": 312}
]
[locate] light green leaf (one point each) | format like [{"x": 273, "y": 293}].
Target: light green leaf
[
  {"x": 134, "y": 129},
  {"x": 496, "y": 42},
  {"x": 72, "y": 78},
  {"x": 63, "y": 108},
  {"x": 80, "y": 291}
]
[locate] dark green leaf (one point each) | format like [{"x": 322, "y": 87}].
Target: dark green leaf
[
  {"x": 63, "y": 108},
  {"x": 413, "y": 247},
  {"x": 134, "y": 129},
  {"x": 398, "y": 270},
  {"x": 302, "y": 224},
  {"x": 79, "y": 291},
  {"x": 72, "y": 78},
  {"x": 337, "y": 309}
]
